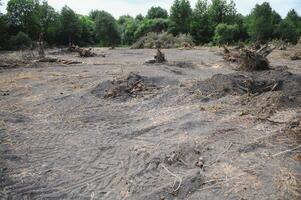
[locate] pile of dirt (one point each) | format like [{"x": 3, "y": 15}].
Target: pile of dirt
[
  {"x": 263, "y": 90},
  {"x": 131, "y": 85}
]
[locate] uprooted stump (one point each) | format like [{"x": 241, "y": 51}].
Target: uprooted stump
[
  {"x": 86, "y": 52},
  {"x": 158, "y": 58},
  {"x": 81, "y": 51},
  {"x": 250, "y": 59},
  {"x": 131, "y": 85}
]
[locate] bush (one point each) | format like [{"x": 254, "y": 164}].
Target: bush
[
  {"x": 163, "y": 40},
  {"x": 151, "y": 25},
  {"x": 21, "y": 40},
  {"x": 225, "y": 33}
]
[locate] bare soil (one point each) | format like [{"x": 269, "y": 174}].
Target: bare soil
[{"x": 178, "y": 130}]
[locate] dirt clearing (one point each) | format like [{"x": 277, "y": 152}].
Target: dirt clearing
[{"x": 115, "y": 128}]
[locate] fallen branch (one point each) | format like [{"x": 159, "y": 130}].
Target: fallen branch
[
  {"x": 286, "y": 151},
  {"x": 218, "y": 157},
  {"x": 177, "y": 178}
]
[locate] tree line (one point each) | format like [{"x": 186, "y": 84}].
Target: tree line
[{"x": 215, "y": 21}]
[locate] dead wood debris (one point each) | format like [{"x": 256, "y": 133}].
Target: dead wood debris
[
  {"x": 159, "y": 57},
  {"x": 81, "y": 51},
  {"x": 186, "y": 46},
  {"x": 58, "y": 60},
  {"x": 12, "y": 63},
  {"x": 250, "y": 59},
  {"x": 132, "y": 85}
]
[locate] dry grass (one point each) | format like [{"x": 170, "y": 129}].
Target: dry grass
[{"x": 288, "y": 183}]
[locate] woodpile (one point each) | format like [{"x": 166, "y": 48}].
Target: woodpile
[{"x": 250, "y": 59}]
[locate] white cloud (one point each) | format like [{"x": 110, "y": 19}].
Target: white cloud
[{"x": 134, "y": 7}]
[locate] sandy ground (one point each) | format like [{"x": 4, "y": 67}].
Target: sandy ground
[{"x": 60, "y": 141}]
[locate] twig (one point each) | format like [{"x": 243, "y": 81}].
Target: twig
[
  {"x": 218, "y": 157},
  {"x": 176, "y": 176},
  {"x": 286, "y": 151}
]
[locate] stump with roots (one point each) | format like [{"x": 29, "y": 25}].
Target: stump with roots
[
  {"x": 253, "y": 60},
  {"x": 250, "y": 59},
  {"x": 159, "y": 57},
  {"x": 81, "y": 51}
]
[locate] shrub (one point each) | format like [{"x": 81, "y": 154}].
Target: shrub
[
  {"x": 225, "y": 33},
  {"x": 21, "y": 40},
  {"x": 163, "y": 40},
  {"x": 151, "y": 25}
]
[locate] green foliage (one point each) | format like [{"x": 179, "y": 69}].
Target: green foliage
[
  {"x": 23, "y": 15},
  {"x": 290, "y": 28},
  {"x": 71, "y": 27},
  {"x": 128, "y": 26},
  {"x": 88, "y": 29},
  {"x": 180, "y": 17},
  {"x": 4, "y": 32},
  {"x": 225, "y": 33},
  {"x": 151, "y": 25},
  {"x": 210, "y": 21},
  {"x": 46, "y": 15},
  {"x": 164, "y": 40},
  {"x": 220, "y": 11},
  {"x": 106, "y": 29},
  {"x": 200, "y": 28},
  {"x": 139, "y": 18},
  {"x": 157, "y": 12},
  {"x": 21, "y": 40},
  {"x": 261, "y": 22}
]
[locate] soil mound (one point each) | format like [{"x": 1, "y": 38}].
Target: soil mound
[
  {"x": 266, "y": 91},
  {"x": 132, "y": 85},
  {"x": 240, "y": 83}
]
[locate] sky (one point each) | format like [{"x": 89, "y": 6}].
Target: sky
[{"x": 134, "y": 7}]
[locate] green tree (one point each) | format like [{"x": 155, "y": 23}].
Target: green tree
[
  {"x": 260, "y": 22},
  {"x": 46, "y": 15},
  {"x": 88, "y": 28},
  {"x": 20, "y": 40},
  {"x": 106, "y": 29},
  {"x": 221, "y": 11},
  {"x": 23, "y": 16},
  {"x": 71, "y": 27},
  {"x": 225, "y": 33},
  {"x": 180, "y": 17},
  {"x": 139, "y": 18},
  {"x": 54, "y": 34},
  {"x": 4, "y": 32},
  {"x": 290, "y": 28},
  {"x": 128, "y": 26},
  {"x": 200, "y": 28},
  {"x": 157, "y": 12}
]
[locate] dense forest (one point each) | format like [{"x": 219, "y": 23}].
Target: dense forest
[{"x": 215, "y": 22}]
